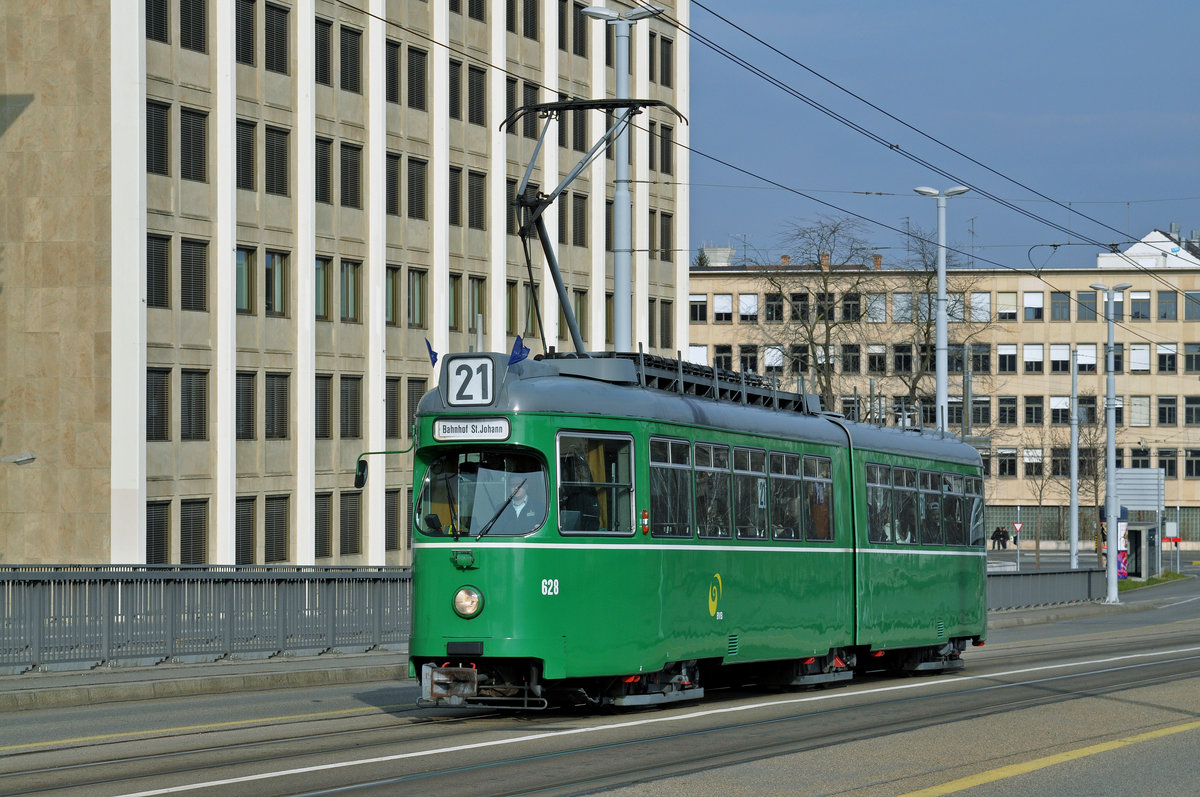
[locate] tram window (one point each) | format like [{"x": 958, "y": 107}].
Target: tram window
[
  {"x": 952, "y": 509},
  {"x": 818, "y": 498},
  {"x": 975, "y": 511},
  {"x": 750, "y": 493},
  {"x": 468, "y": 492},
  {"x": 670, "y": 488},
  {"x": 712, "y": 490},
  {"x": 595, "y": 484},
  {"x": 931, "y": 508},
  {"x": 879, "y": 503},
  {"x": 904, "y": 504},
  {"x": 785, "y": 495}
]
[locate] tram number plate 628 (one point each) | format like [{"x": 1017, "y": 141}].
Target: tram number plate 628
[{"x": 470, "y": 381}]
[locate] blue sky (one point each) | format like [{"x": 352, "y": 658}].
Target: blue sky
[{"x": 1095, "y": 104}]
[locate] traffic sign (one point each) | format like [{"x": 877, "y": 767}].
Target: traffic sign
[
  {"x": 1175, "y": 540},
  {"x": 1017, "y": 527}
]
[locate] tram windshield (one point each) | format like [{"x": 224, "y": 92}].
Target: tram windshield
[{"x": 482, "y": 492}]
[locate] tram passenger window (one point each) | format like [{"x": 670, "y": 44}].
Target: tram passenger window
[
  {"x": 785, "y": 495},
  {"x": 952, "y": 509},
  {"x": 931, "y": 508},
  {"x": 712, "y": 490},
  {"x": 975, "y": 511},
  {"x": 750, "y": 493},
  {"x": 595, "y": 484},
  {"x": 879, "y": 503},
  {"x": 904, "y": 504},
  {"x": 818, "y": 498},
  {"x": 670, "y": 488}
]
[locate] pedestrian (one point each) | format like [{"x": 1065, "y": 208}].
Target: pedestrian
[
  {"x": 996, "y": 538},
  {"x": 1004, "y": 539},
  {"x": 1016, "y": 539}
]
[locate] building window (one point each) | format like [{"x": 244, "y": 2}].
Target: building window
[
  {"x": 391, "y": 183},
  {"x": 157, "y": 137},
  {"x": 323, "y": 406},
  {"x": 476, "y": 96},
  {"x": 666, "y": 161},
  {"x": 578, "y": 219},
  {"x": 876, "y": 359},
  {"x": 1168, "y": 411},
  {"x": 416, "y": 188},
  {"x": 1006, "y": 306},
  {"x": 1085, "y": 358},
  {"x": 1191, "y": 410},
  {"x": 1035, "y": 302},
  {"x": 158, "y": 532},
  {"x": 1006, "y": 463},
  {"x": 1060, "y": 410},
  {"x": 416, "y": 298},
  {"x": 193, "y": 25},
  {"x": 477, "y": 305},
  {"x": 351, "y": 175},
  {"x": 666, "y": 74},
  {"x": 391, "y": 71},
  {"x": 243, "y": 534},
  {"x": 1168, "y": 306},
  {"x": 158, "y": 269},
  {"x": 1139, "y": 410},
  {"x": 322, "y": 52},
  {"x": 1060, "y": 306},
  {"x": 193, "y": 405},
  {"x": 276, "y": 407},
  {"x": 324, "y": 174},
  {"x": 1085, "y": 306},
  {"x": 1139, "y": 458},
  {"x": 391, "y": 520},
  {"x": 244, "y": 405},
  {"x": 391, "y": 296},
  {"x": 454, "y": 302},
  {"x": 351, "y": 271},
  {"x": 321, "y": 288},
  {"x": 667, "y": 236},
  {"x": 1033, "y": 461},
  {"x": 351, "y": 62},
  {"x": 157, "y": 21},
  {"x": 723, "y": 357},
  {"x": 193, "y": 275},
  {"x": 350, "y": 406},
  {"x": 193, "y": 145},
  {"x": 416, "y": 390},
  {"x": 902, "y": 308},
  {"x": 158, "y": 404},
  {"x": 1006, "y": 410},
  {"x": 193, "y": 532},
  {"x": 579, "y": 30},
  {"x": 723, "y": 308},
  {"x": 851, "y": 306},
  {"x": 475, "y": 10},
  {"x": 454, "y": 93},
  {"x": 391, "y": 407},
  {"x": 981, "y": 411},
  {"x": 1139, "y": 310},
  {"x": 477, "y": 200},
  {"x": 1191, "y": 358},
  {"x": 529, "y": 19},
  {"x": 902, "y": 358},
  {"x": 1118, "y": 355},
  {"x": 245, "y": 154},
  {"x": 1034, "y": 358},
  {"x": 1167, "y": 358},
  {"x": 1087, "y": 409},
  {"x": 698, "y": 308},
  {"x": 416, "y": 79},
  {"x": 1168, "y": 460},
  {"x": 277, "y": 161},
  {"x": 275, "y": 529},
  {"x": 1060, "y": 358},
  {"x": 1035, "y": 410},
  {"x": 275, "y": 25},
  {"x": 529, "y": 124},
  {"x": 1139, "y": 358},
  {"x": 323, "y": 526},
  {"x": 244, "y": 32},
  {"x": 1060, "y": 461},
  {"x": 851, "y": 358}
]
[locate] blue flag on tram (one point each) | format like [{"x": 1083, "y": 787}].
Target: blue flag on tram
[
  {"x": 432, "y": 353},
  {"x": 520, "y": 351}
]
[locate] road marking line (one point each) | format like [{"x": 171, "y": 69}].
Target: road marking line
[
  {"x": 1180, "y": 603},
  {"x": 660, "y": 720},
  {"x": 1002, "y": 773}
]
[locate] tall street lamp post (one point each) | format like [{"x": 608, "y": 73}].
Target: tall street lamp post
[
  {"x": 1111, "y": 509},
  {"x": 622, "y": 201},
  {"x": 940, "y": 344}
]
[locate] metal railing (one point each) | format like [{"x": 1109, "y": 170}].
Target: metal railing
[
  {"x": 1022, "y": 588},
  {"x": 59, "y": 617}
]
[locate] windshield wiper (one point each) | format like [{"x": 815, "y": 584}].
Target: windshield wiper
[
  {"x": 488, "y": 526},
  {"x": 453, "y": 507}
]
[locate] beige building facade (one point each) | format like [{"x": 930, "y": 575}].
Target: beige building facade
[
  {"x": 233, "y": 230},
  {"x": 1015, "y": 332}
]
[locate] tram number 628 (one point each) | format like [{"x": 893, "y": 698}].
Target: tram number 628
[
  {"x": 470, "y": 381},
  {"x": 549, "y": 586}
]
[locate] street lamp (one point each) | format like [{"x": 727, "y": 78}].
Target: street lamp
[
  {"x": 940, "y": 345},
  {"x": 622, "y": 201},
  {"x": 1111, "y": 510},
  {"x": 24, "y": 458}
]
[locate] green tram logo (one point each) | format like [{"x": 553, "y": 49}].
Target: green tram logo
[{"x": 714, "y": 596}]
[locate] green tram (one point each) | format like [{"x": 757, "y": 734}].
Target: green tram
[{"x": 612, "y": 529}]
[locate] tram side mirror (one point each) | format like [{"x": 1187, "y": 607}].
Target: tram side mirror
[
  {"x": 433, "y": 522},
  {"x": 360, "y": 474}
]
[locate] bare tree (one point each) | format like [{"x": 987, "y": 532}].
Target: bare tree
[
  {"x": 1092, "y": 473},
  {"x": 1041, "y": 476},
  {"x": 814, "y": 299}
]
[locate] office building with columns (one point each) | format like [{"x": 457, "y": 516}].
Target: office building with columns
[{"x": 234, "y": 230}]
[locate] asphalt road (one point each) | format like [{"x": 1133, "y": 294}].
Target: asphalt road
[{"x": 1105, "y": 701}]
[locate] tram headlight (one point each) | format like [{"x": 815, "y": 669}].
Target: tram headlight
[{"x": 468, "y": 602}]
